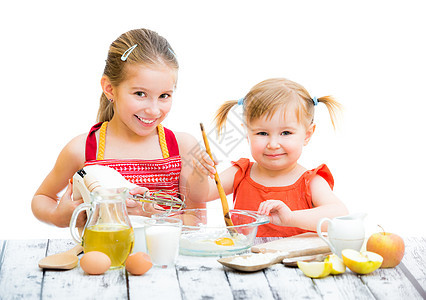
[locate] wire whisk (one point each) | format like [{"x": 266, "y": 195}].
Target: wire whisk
[{"x": 163, "y": 198}]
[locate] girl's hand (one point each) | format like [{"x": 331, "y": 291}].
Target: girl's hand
[
  {"x": 66, "y": 206},
  {"x": 204, "y": 164},
  {"x": 279, "y": 213}
]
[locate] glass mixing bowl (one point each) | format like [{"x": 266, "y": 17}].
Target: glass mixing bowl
[{"x": 204, "y": 232}]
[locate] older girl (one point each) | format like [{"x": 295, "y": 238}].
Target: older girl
[{"x": 138, "y": 84}]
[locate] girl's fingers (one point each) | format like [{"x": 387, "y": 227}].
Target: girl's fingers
[
  {"x": 207, "y": 159},
  {"x": 81, "y": 220},
  {"x": 263, "y": 208},
  {"x": 203, "y": 168},
  {"x": 210, "y": 161},
  {"x": 199, "y": 167},
  {"x": 138, "y": 190},
  {"x": 68, "y": 191},
  {"x": 69, "y": 188},
  {"x": 131, "y": 203},
  {"x": 267, "y": 206}
]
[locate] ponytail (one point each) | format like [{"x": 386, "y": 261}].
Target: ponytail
[
  {"x": 222, "y": 113},
  {"x": 333, "y": 108},
  {"x": 106, "y": 109}
]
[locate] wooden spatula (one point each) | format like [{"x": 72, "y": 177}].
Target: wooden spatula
[
  {"x": 62, "y": 261},
  {"x": 220, "y": 189}
]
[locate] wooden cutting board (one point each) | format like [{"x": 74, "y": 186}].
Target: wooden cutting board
[{"x": 298, "y": 245}]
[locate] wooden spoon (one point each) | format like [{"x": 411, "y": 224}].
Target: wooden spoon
[
  {"x": 222, "y": 193},
  {"x": 63, "y": 261}
]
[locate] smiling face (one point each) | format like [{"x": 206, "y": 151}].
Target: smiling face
[
  {"x": 276, "y": 143},
  {"x": 144, "y": 98}
]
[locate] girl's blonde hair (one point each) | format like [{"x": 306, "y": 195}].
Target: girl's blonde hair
[
  {"x": 266, "y": 97},
  {"x": 151, "y": 49}
]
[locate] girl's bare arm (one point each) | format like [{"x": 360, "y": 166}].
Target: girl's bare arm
[{"x": 45, "y": 204}]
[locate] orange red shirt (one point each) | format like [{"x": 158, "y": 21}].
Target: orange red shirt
[{"x": 248, "y": 195}]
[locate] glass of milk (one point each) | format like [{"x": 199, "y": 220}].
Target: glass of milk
[
  {"x": 162, "y": 236},
  {"x": 138, "y": 225}
]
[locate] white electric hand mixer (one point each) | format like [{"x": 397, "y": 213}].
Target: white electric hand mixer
[{"x": 89, "y": 178}]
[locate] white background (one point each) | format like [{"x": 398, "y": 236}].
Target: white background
[{"x": 371, "y": 55}]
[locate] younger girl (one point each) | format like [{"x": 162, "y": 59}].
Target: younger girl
[
  {"x": 138, "y": 84},
  {"x": 278, "y": 116}
]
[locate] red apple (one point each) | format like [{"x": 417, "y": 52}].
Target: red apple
[{"x": 389, "y": 245}]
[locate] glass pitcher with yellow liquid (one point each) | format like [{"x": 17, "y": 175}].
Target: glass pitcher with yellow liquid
[{"x": 108, "y": 228}]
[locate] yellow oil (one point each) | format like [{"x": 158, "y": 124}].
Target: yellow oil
[{"x": 116, "y": 241}]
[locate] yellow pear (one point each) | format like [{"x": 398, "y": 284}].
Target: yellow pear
[
  {"x": 315, "y": 269},
  {"x": 361, "y": 262},
  {"x": 338, "y": 267}
]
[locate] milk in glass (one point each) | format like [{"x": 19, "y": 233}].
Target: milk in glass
[{"x": 162, "y": 240}]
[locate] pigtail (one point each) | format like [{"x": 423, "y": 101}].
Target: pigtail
[
  {"x": 333, "y": 108},
  {"x": 106, "y": 109},
  {"x": 222, "y": 113}
]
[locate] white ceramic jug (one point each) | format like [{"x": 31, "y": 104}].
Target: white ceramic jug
[{"x": 346, "y": 232}]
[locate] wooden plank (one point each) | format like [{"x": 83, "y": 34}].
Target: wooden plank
[
  {"x": 390, "y": 283},
  {"x": 77, "y": 284},
  {"x": 343, "y": 286},
  {"x": 414, "y": 259},
  {"x": 20, "y": 276},
  {"x": 248, "y": 285},
  {"x": 290, "y": 283},
  {"x": 2, "y": 246},
  {"x": 202, "y": 278},
  {"x": 157, "y": 283}
]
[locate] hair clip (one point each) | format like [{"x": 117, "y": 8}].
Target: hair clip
[
  {"x": 171, "y": 51},
  {"x": 241, "y": 101},
  {"x": 127, "y": 52},
  {"x": 315, "y": 100}
]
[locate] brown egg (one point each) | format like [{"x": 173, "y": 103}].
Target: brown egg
[
  {"x": 138, "y": 263},
  {"x": 95, "y": 262}
]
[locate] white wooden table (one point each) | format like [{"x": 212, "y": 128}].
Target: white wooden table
[{"x": 201, "y": 278}]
